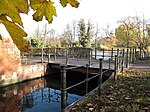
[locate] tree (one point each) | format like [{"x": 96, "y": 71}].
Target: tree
[
  {"x": 68, "y": 35},
  {"x": 132, "y": 32},
  {"x": 85, "y": 33},
  {"x": 12, "y": 8},
  {"x": 107, "y": 31}
]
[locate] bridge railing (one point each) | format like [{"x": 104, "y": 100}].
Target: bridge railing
[
  {"x": 65, "y": 68},
  {"x": 54, "y": 54}
]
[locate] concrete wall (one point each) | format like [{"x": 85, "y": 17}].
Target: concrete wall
[{"x": 11, "y": 69}]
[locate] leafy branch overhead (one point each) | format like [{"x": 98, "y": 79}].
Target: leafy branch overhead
[{"x": 10, "y": 16}]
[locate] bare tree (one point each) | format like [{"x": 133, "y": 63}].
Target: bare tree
[{"x": 107, "y": 31}]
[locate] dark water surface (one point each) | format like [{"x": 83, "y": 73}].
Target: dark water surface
[{"x": 41, "y": 95}]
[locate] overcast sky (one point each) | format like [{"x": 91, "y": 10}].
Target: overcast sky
[{"x": 102, "y": 11}]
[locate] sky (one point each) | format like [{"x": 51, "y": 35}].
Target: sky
[{"x": 103, "y": 12}]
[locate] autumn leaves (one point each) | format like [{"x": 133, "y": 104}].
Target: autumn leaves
[{"x": 10, "y": 16}]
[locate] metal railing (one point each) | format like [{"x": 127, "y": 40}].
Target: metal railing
[
  {"x": 64, "y": 88},
  {"x": 49, "y": 54},
  {"x": 119, "y": 58}
]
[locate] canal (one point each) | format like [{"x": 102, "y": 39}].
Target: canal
[{"x": 42, "y": 94}]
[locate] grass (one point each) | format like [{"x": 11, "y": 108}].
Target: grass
[{"x": 130, "y": 93}]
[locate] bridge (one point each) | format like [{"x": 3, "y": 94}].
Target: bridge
[{"x": 100, "y": 64}]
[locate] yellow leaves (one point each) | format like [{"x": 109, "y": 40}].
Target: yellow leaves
[
  {"x": 43, "y": 8},
  {"x": 21, "y": 5},
  {"x": 139, "y": 100},
  {"x": 16, "y": 33},
  {"x": 73, "y": 3},
  {"x": 12, "y": 8}
]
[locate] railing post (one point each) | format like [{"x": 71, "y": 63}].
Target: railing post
[
  {"x": 115, "y": 67},
  {"x": 109, "y": 65},
  {"x": 73, "y": 52},
  {"x": 67, "y": 56},
  {"x": 112, "y": 53},
  {"x": 87, "y": 76},
  {"x": 130, "y": 57},
  {"x": 122, "y": 64},
  {"x": 42, "y": 55},
  {"x": 100, "y": 76},
  {"x": 118, "y": 61},
  {"x": 133, "y": 54},
  {"x": 95, "y": 52},
  {"x": 49, "y": 55},
  {"x": 103, "y": 54},
  {"x": 63, "y": 88},
  {"x": 89, "y": 56},
  {"x": 127, "y": 58},
  {"x": 55, "y": 54},
  {"x": 140, "y": 50}
]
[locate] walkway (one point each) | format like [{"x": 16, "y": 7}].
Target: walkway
[
  {"x": 83, "y": 61},
  {"x": 141, "y": 66}
]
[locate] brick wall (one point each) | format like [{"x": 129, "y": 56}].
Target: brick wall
[
  {"x": 11, "y": 70},
  {"x": 9, "y": 57}
]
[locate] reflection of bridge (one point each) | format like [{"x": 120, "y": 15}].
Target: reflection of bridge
[{"x": 45, "y": 95}]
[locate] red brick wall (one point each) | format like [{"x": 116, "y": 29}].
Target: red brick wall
[
  {"x": 9, "y": 57},
  {"x": 11, "y": 70}
]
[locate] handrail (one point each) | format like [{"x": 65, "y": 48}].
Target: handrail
[
  {"x": 75, "y": 67},
  {"x": 75, "y": 85},
  {"x": 118, "y": 57}
]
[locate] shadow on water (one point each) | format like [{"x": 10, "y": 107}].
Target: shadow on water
[{"x": 43, "y": 94}]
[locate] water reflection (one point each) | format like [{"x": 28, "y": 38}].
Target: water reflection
[
  {"x": 40, "y": 98},
  {"x": 33, "y": 96}
]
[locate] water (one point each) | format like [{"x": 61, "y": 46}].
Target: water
[
  {"x": 107, "y": 54},
  {"x": 47, "y": 100},
  {"x": 34, "y": 96},
  {"x": 43, "y": 94}
]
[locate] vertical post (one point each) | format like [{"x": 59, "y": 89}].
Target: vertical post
[
  {"x": 133, "y": 54},
  {"x": 109, "y": 65},
  {"x": 67, "y": 56},
  {"x": 90, "y": 56},
  {"x": 130, "y": 57},
  {"x": 100, "y": 76},
  {"x": 118, "y": 61},
  {"x": 55, "y": 54},
  {"x": 91, "y": 53},
  {"x": 87, "y": 76},
  {"x": 122, "y": 64},
  {"x": 42, "y": 55},
  {"x": 112, "y": 53},
  {"x": 73, "y": 52},
  {"x": 103, "y": 54},
  {"x": 95, "y": 52},
  {"x": 63, "y": 88},
  {"x": 127, "y": 58},
  {"x": 140, "y": 50},
  {"x": 115, "y": 67},
  {"x": 117, "y": 52},
  {"x": 49, "y": 55}
]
